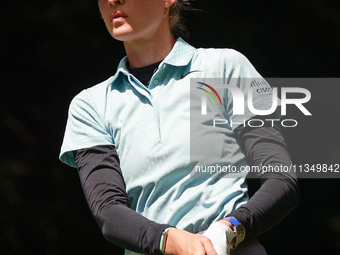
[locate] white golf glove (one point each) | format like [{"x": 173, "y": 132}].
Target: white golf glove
[{"x": 221, "y": 236}]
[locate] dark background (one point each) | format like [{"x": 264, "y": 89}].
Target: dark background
[{"x": 51, "y": 50}]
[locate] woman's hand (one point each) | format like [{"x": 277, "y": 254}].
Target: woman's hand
[
  {"x": 181, "y": 242},
  {"x": 221, "y": 236}
]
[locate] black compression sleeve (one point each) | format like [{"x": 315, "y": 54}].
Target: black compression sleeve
[
  {"x": 104, "y": 189},
  {"x": 278, "y": 194}
]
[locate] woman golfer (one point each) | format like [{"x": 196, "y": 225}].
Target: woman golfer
[{"x": 141, "y": 153}]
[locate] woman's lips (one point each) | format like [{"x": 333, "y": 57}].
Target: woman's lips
[
  {"x": 118, "y": 19},
  {"x": 117, "y": 16}
]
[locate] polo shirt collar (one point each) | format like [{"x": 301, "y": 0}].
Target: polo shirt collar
[{"x": 180, "y": 55}]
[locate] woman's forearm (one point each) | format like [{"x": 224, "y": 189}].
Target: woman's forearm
[
  {"x": 278, "y": 194},
  {"x": 104, "y": 189}
]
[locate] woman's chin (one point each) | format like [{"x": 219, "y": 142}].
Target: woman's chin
[{"x": 122, "y": 35}]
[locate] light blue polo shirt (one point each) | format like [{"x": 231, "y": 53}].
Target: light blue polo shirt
[{"x": 150, "y": 128}]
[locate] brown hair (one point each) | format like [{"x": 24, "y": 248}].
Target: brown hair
[{"x": 177, "y": 26}]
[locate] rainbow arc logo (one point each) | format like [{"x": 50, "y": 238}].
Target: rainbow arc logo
[{"x": 209, "y": 93}]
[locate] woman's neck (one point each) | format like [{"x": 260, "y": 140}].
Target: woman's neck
[{"x": 144, "y": 52}]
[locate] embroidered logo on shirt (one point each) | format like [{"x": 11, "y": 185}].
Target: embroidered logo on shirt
[{"x": 194, "y": 71}]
